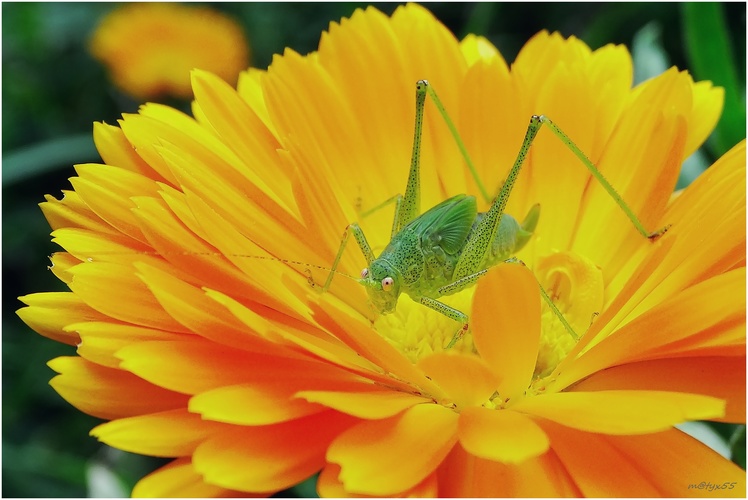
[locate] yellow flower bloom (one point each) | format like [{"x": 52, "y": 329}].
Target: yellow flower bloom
[
  {"x": 253, "y": 381},
  {"x": 151, "y": 48}
]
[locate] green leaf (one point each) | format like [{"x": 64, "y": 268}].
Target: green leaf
[
  {"x": 711, "y": 58},
  {"x": 737, "y": 446},
  {"x": 41, "y": 158}
]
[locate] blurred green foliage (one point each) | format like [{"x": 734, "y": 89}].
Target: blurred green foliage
[{"x": 53, "y": 90}]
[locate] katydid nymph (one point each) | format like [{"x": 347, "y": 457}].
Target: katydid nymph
[{"x": 450, "y": 246}]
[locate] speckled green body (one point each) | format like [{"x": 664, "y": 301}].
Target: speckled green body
[{"x": 425, "y": 252}]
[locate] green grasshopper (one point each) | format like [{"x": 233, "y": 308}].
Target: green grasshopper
[{"x": 449, "y": 247}]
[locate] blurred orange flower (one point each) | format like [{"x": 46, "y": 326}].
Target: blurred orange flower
[{"x": 150, "y": 48}]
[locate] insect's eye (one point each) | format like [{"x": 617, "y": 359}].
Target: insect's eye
[
  {"x": 387, "y": 284},
  {"x": 365, "y": 273}
]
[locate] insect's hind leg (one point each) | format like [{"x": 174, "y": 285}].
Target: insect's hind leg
[
  {"x": 538, "y": 121},
  {"x": 423, "y": 86}
]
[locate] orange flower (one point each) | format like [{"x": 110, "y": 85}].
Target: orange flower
[
  {"x": 150, "y": 48},
  {"x": 253, "y": 381}
]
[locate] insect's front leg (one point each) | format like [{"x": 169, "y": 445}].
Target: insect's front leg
[
  {"x": 362, "y": 244},
  {"x": 451, "y": 313}
]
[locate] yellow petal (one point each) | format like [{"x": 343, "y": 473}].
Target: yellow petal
[
  {"x": 107, "y": 191},
  {"x": 351, "y": 329},
  {"x": 71, "y": 211},
  {"x": 130, "y": 301},
  {"x": 621, "y": 412},
  {"x": 166, "y": 434},
  {"x": 420, "y": 437},
  {"x": 478, "y": 48},
  {"x": 194, "y": 309},
  {"x": 100, "y": 340},
  {"x": 501, "y": 435},
  {"x": 708, "y": 102},
  {"x": 115, "y": 150},
  {"x": 488, "y": 92},
  {"x": 49, "y": 313},
  {"x": 251, "y": 404},
  {"x": 372, "y": 404},
  {"x": 506, "y": 325}
]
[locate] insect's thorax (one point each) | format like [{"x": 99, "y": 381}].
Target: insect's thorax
[{"x": 426, "y": 266}]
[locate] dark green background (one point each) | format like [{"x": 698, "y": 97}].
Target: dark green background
[{"x": 53, "y": 90}]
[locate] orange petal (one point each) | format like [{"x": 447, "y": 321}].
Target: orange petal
[
  {"x": 330, "y": 486},
  {"x": 269, "y": 458},
  {"x": 506, "y": 325},
  {"x": 704, "y": 314},
  {"x": 166, "y": 434},
  {"x": 621, "y": 412},
  {"x": 192, "y": 366},
  {"x": 722, "y": 377},
  {"x": 466, "y": 476},
  {"x": 420, "y": 438},
  {"x": 501, "y": 435},
  {"x": 466, "y": 380},
  {"x": 107, "y": 393},
  {"x": 681, "y": 466},
  {"x": 597, "y": 468},
  {"x": 178, "y": 479}
]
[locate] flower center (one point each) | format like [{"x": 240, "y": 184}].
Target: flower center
[
  {"x": 417, "y": 331},
  {"x": 572, "y": 281},
  {"x": 575, "y": 284}
]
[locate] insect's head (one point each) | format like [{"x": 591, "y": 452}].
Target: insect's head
[{"x": 382, "y": 282}]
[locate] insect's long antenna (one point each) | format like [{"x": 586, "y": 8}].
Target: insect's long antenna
[{"x": 219, "y": 254}]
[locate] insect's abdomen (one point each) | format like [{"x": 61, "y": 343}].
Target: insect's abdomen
[
  {"x": 510, "y": 238},
  {"x": 439, "y": 266}
]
